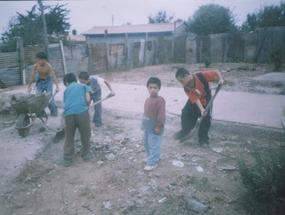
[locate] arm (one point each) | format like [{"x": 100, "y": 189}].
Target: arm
[
  {"x": 200, "y": 106},
  {"x": 52, "y": 73},
  {"x": 88, "y": 98},
  {"x": 213, "y": 76},
  {"x": 88, "y": 94},
  {"x": 109, "y": 87},
  {"x": 32, "y": 78},
  {"x": 160, "y": 118},
  {"x": 221, "y": 79}
]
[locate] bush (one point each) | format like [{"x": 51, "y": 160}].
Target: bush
[
  {"x": 276, "y": 58},
  {"x": 264, "y": 182}
]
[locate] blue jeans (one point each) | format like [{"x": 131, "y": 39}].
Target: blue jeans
[
  {"x": 97, "y": 117},
  {"x": 152, "y": 147},
  {"x": 46, "y": 85}
]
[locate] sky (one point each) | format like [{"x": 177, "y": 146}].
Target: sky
[{"x": 84, "y": 14}]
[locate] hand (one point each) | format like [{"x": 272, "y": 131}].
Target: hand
[
  {"x": 111, "y": 94},
  {"x": 203, "y": 113},
  {"x": 57, "y": 89},
  {"x": 157, "y": 130},
  {"x": 221, "y": 81}
]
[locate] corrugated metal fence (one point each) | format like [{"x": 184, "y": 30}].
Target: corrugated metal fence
[{"x": 10, "y": 71}]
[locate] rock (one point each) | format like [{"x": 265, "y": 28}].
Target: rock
[
  {"x": 194, "y": 205},
  {"x": 162, "y": 200},
  {"x": 110, "y": 157},
  {"x": 107, "y": 205},
  {"x": 177, "y": 163},
  {"x": 199, "y": 169},
  {"x": 218, "y": 149},
  {"x": 226, "y": 167},
  {"x": 100, "y": 163}
]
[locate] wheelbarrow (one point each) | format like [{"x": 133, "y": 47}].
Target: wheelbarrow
[{"x": 28, "y": 108}]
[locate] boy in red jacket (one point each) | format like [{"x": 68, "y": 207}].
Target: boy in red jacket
[{"x": 196, "y": 87}]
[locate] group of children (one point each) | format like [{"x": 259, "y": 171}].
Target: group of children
[
  {"x": 77, "y": 99},
  {"x": 78, "y": 96}
]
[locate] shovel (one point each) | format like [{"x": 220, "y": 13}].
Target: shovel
[
  {"x": 199, "y": 120},
  {"x": 60, "y": 134}
]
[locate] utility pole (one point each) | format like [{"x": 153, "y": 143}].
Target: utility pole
[{"x": 44, "y": 25}]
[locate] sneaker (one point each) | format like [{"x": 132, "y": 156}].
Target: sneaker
[
  {"x": 180, "y": 135},
  {"x": 87, "y": 157},
  {"x": 204, "y": 142},
  {"x": 67, "y": 163},
  {"x": 150, "y": 167}
]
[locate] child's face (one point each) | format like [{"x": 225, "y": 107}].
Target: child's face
[
  {"x": 41, "y": 62},
  {"x": 153, "y": 89},
  {"x": 185, "y": 80}
]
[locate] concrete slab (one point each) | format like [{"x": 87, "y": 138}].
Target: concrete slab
[
  {"x": 255, "y": 109},
  {"x": 272, "y": 78}
]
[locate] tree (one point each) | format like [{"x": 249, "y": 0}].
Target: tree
[
  {"x": 57, "y": 21},
  {"x": 29, "y": 26},
  {"x": 267, "y": 17},
  {"x": 160, "y": 17},
  {"x": 212, "y": 19}
]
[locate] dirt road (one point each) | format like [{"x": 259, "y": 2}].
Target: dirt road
[{"x": 188, "y": 179}]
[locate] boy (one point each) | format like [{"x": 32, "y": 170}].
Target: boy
[
  {"x": 153, "y": 123},
  {"x": 43, "y": 74},
  {"x": 76, "y": 100},
  {"x": 95, "y": 83},
  {"x": 196, "y": 87}
]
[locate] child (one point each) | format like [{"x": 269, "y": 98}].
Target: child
[
  {"x": 44, "y": 76},
  {"x": 76, "y": 101},
  {"x": 94, "y": 82},
  {"x": 196, "y": 87},
  {"x": 153, "y": 123}
]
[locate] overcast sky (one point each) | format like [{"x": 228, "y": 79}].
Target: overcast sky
[{"x": 85, "y": 14}]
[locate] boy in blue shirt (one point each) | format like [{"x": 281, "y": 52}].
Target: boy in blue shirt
[{"x": 76, "y": 103}]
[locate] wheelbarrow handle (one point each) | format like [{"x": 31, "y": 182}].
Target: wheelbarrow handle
[{"x": 52, "y": 97}]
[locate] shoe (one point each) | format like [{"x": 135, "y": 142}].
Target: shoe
[
  {"x": 150, "y": 167},
  {"x": 87, "y": 157},
  {"x": 180, "y": 135},
  {"x": 204, "y": 142},
  {"x": 67, "y": 163},
  {"x": 54, "y": 114}
]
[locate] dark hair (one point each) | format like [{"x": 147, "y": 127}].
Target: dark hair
[
  {"x": 69, "y": 78},
  {"x": 83, "y": 75},
  {"x": 154, "y": 80},
  {"x": 181, "y": 73},
  {"x": 42, "y": 56}
]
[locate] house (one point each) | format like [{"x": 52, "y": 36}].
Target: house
[{"x": 134, "y": 33}]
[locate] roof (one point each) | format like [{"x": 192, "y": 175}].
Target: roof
[{"x": 144, "y": 28}]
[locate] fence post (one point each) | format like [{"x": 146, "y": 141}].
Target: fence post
[
  {"x": 62, "y": 57},
  {"x": 106, "y": 49},
  {"x": 20, "y": 49}
]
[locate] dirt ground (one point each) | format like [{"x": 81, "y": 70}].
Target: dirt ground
[
  {"x": 238, "y": 76},
  {"x": 188, "y": 179}
]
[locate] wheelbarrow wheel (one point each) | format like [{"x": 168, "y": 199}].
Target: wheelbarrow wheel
[{"x": 23, "y": 124}]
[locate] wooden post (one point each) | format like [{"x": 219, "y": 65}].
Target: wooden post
[
  {"x": 62, "y": 57},
  {"x": 107, "y": 49},
  {"x": 44, "y": 25},
  {"x": 126, "y": 51},
  {"x": 20, "y": 49}
]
